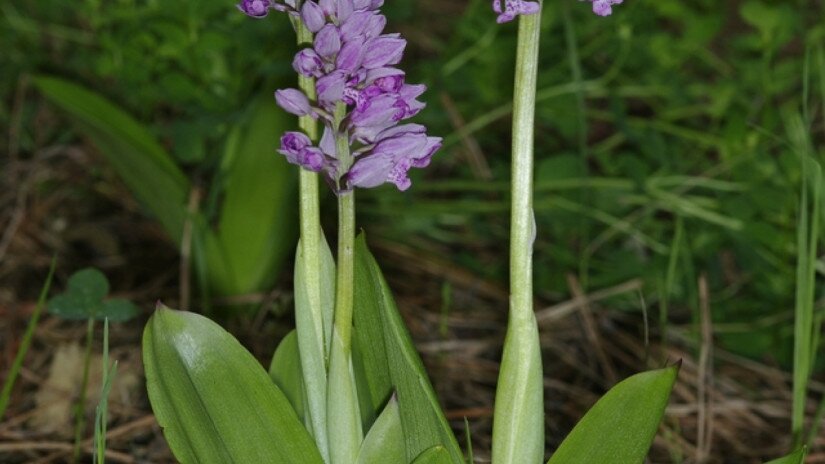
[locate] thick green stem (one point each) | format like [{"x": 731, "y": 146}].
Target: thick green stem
[
  {"x": 344, "y": 282},
  {"x": 518, "y": 428},
  {"x": 344, "y": 427},
  {"x": 346, "y": 240},
  {"x": 310, "y": 327}
]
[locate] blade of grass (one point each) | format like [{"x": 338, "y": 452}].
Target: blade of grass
[
  {"x": 101, "y": 412},
  {"x": 25, "y": 343},
  {"x": 807, "y": 239},
  {"x": 80, "y": 407}
]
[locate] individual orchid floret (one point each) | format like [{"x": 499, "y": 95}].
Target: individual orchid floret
[
  {"x": 298, "y": 150},
  {"x": 513, "y": 8},
  {"x": 604, "y": 7},
  {"x": 294, "y": 101}
]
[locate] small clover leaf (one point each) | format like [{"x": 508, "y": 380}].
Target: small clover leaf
[{"x": 84, "y": 299}]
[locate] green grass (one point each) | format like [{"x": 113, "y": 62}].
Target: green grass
[{"x": 25, "y": 342}]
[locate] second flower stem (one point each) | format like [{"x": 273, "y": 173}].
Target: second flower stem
[
  {"x": 344, "y": 279},
  {"x": 342, "y": 397}
]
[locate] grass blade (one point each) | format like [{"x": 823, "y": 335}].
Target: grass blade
[{"x": 26, "y": 342}]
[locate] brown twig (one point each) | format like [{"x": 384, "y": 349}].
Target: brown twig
[
  {"x": 704, "y": 416},
  {"x": 591, "y": 330},
  {"x": 475, "y": 156}
]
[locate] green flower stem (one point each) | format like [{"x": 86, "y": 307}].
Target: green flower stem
[
  {"x": 346, "y": 241},
  {"x": 344, "y": 426},
  {"x": 518, "y": 427},
  {"x": 311, "y": 336}
]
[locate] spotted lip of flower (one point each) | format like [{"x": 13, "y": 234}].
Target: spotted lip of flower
[{"x": 353, "y": 62}]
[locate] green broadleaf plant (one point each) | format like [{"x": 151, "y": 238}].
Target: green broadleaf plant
[
  {"x": 620, "y": 427},
  {"x": 214, "y": 401},
  {"x": 84, "y": 298},
  {"x": 254, "y": 228}
]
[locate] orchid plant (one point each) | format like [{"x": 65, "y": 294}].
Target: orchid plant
[{"x": 347, "y": 386}]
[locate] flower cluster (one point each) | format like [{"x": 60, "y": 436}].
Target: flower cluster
[
  {"x": 361, "y": 97},
  {"x": 512, "y": 8}
]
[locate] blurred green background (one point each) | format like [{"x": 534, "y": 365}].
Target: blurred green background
[{"x": 669, "y": 135}]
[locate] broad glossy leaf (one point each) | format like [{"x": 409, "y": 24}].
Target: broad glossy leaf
[
  {"x": 214, "y": 401},
  {"x": 621, "y": 426},
  {"x": 384, "y": 442},
  {"x": 129, "y": 147},
  {"x": 797, "y": 457},
  {"x": 434, "y": 455},
  {"x": 257, "y": 228},
  {"x": 285, "y": 371},
  {"x": 391, "y": 363}
]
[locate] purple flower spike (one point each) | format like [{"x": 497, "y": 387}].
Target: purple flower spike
[
  {"x": 255, "y": 8},
  {"x": 293, "y": 101},
  {"x": 512, "y": 8},
  {"x": 353, "y": 63}
]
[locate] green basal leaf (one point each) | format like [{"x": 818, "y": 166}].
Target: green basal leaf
[
  {"x": 797, "y": 457},
  {"x": 117, "y": 310},
  {"x": 129, "y": 147},
  {"x": 285, "y": 371},
  {"x": 621, "y": 426},
  {"x": 258, "y": 220},
  {"x": 384, "y": 442},
  {"x": 390, "y": 363},
  {"x": 214, "y": 401},
  {"x": 434, "y": 455}
]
